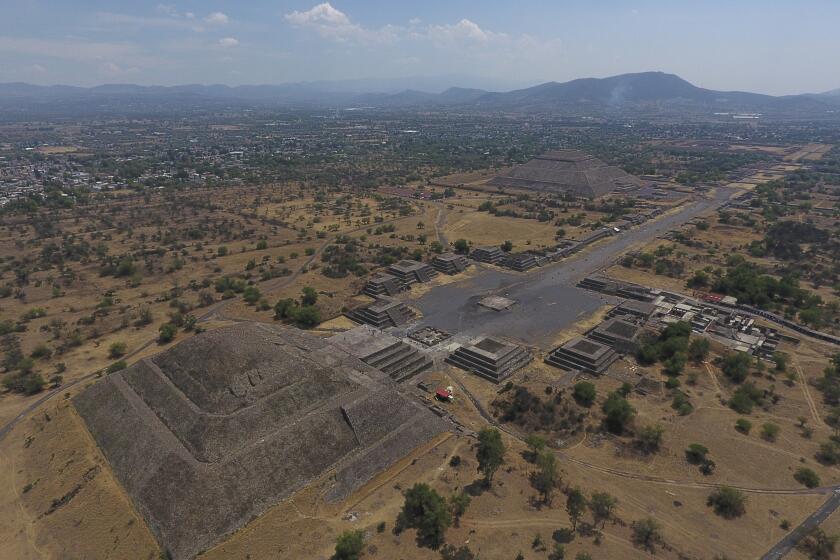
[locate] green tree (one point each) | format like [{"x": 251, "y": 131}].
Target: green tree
[
  {"x": 698, "y": 349},
  {"x": 117, "y": 350},
  {"x": 307, "y": 316},
  {"x": 427, "y": 511},
  {"x": 575, "y": 506},
  {"x": 770, "y": 431},
  {"x": 649, "y": 438},
  {"x": 584, "y": 393},
  {"x": 166, "y": 333},
  {"x": 251, "y": 295},
  {"x": 602, "y": 506},
  {"x": 736, "y": 366},
  {"x": 727, "y": 502},
  {"x": 458, "y": 504},
  {"x": 547, "y": 476},
  {"x": 490, "y": 453},
  {"x": 618, "y": 413},
  {"x": 507, "y": 246},
  {"x": 309, "y": 297},
  {"x": 806, "y": 477},
  {"x": 696, "y": 453},
  {"x": 461, "y": 246},
  {"x": 283, "y": 308},
  {"x": 349, "y": 545},
  {"x": 536, "y": 444},
  {"x": 743, "y": 425},
  {"x": 818, "y": 545},
  {"x": 646, "y": 533}
]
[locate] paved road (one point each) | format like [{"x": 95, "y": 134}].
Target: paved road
[
  {"x": 814, "y": 520},
  {"x": 547, "y": 300}
]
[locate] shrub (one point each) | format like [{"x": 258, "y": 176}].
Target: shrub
[
  {"x": 649, "y": 438},
  {"x": 349, "y": 545},
  {"x": 117, "y": 350},
  {"x": 696, "y": 453},
  {"x": 427, "y": 511},
  {"x": 727, "y": 502},
  {"x": 584, "y": 393},
  {"x": 736, "y": 366},
  {"x": 743, "y": 425},
  {"x": 26, "y": 383},
  {"x": 116, "y": 366},
  {"x": 618, "y": 413},
  {"x": 770, "y": 431},
  {"x": 646, "y": 533},
  {"x": 166, "y": 333},
  {"x": 806, "y": 477}
]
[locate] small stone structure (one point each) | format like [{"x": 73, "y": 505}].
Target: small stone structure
[
  {"x": 382, "y": 313},
  {"x": 488, "y": 254},
  {"x": 496, "y": 303},
  {"x": 412, "y": 272},
  {"x": 621, "y": 335},
  {"x": 429, "y": 336},
  {"x": 490, "y": 357},
  {"x": 384, "y": 284},
  {"x": 582, "y": 354},
  {"x": 450, "y": 263}
]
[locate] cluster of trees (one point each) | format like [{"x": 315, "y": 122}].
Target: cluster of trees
[
  {"x": 532, "y": 413},
  {"x": 673, "y": 348},
  {"x": 304, "y": 313}
]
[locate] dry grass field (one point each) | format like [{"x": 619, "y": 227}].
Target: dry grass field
[{"x": 70, "y": 293}]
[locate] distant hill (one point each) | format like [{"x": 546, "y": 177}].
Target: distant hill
[{"x": 646, "y": 92}]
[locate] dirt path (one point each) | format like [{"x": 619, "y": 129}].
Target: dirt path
[
  {"x": 811, "y": 404},
  {"x": 439, "y": 223},
  {"x": 714, "y": 378}
]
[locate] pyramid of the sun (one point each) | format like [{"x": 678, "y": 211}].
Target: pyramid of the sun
[{"x": 567, "y": 172}]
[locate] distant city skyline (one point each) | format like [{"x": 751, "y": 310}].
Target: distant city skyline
[{"x": 750, "y": 45}]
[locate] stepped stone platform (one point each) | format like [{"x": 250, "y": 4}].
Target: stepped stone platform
[
  {"x": 383, "y": 284},
  {"x": 634, "y": 310},
  {"x": 520, "y": 262},
  {"x": 489, "y": 255},
  {"x": 567, "y": 172},
  {"x": 617, "y": 333},
  {"x": 582, "y": 354},
  {"x": 211, "y": 433},
  {"x": 450, "y": 263},
  {"x": 491, "y": 358},
  {"x": 611, "y": 286},
  {"x": 383, "y": 313},
  {"x": 412, "y": 272},
  {"x": 383, "y": 351}
]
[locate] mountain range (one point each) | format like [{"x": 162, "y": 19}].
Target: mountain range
[{"x": 626, "y": 93}]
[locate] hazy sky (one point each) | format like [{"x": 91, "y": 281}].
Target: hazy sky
[{"x": 766, "y": 46}]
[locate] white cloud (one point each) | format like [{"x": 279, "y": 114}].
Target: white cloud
[
  {"x": 228, "y": 42},
  {"x": 322, "y": 14},
  {"x": 463, "y": 30},
  {"x": 332, "y": 23},
  {"x": 113, "y": 69},
  {"x": 217, "y": 18},
  {"x": 37, "y": 69}
]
